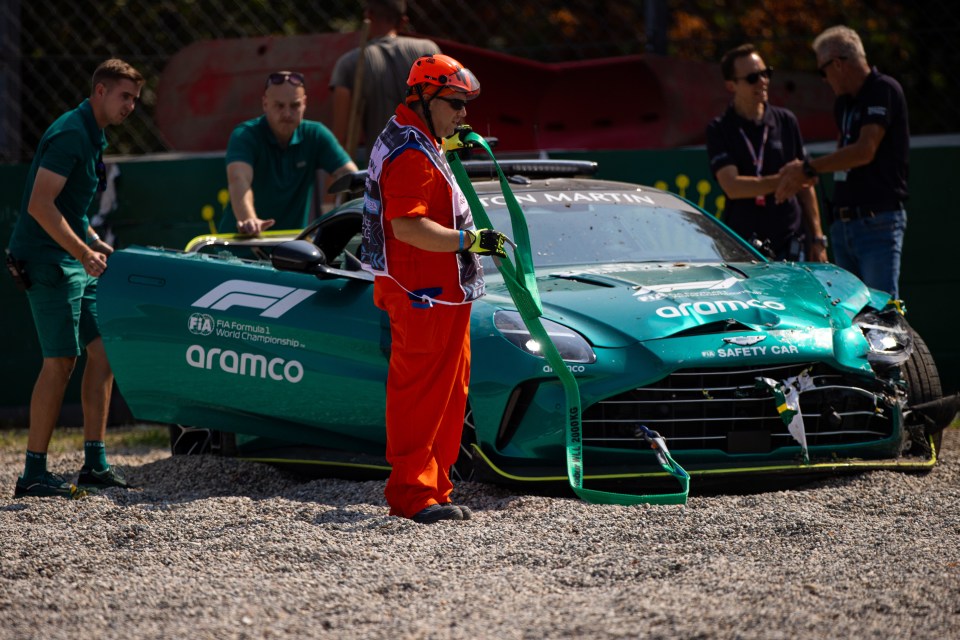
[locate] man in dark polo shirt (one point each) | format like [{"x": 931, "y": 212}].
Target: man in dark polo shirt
[
  {"x": 272, "y": 161},
  {"x": 747, "y": 146},
  {"x": 62, "y": 257},
  {"x": 870, "y": 165}
]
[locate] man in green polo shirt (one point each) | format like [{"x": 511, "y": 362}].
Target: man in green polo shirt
[
  {"x": 62, "y": 257},
  {"x": 272, "y": 161}
]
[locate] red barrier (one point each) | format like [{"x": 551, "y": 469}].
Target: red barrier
[{"x": 629, "y": 102}]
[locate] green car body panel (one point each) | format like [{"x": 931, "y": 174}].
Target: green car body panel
[
  {"x": 179, "y": 364},
  {"x": 215, "y": 342}
]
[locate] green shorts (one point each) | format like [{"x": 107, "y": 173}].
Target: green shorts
[{"x": 63, "y": 299}]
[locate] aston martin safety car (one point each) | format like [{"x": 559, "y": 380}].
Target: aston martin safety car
[{"x": 272, "y": 348}]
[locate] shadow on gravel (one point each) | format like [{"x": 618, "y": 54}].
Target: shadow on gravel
[
  {"x": 746, "y": 487},
  {"x": 182, "y": 479}
]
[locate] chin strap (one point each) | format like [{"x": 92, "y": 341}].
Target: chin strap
[
  {"x": 521, "y": 282},
  {"x": 425, "y": 107}
]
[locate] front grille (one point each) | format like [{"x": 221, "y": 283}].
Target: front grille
[{"x": 723, "y": 409}]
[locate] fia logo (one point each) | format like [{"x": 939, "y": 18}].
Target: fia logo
[
  {"x": 275, "y": 300},
  {"x": 200, "y": 324}
]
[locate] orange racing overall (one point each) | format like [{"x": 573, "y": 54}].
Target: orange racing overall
[{"x": 427, "y": 296}]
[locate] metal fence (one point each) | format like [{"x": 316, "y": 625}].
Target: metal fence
[{"x": 49, "y": 48}]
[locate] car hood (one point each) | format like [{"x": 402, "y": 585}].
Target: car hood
[{"x": 616, "y": 305}]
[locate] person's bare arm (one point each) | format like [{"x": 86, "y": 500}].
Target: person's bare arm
[
  {"x": 342, "y": 98},
  {"x": 816, "y": 250},
  {"x": 424, "y": 233},
  {"x": 845, "y": 158},
  {"x": 42, "y": 206},
  {"x": 853, "y": 155},
  {"x": 350, "y": 167},
  {"x": 240, "y": 186},
  {"x": 97, "y": 242},
  {"x": 330, "y": 199},
  {"x": 736, "y": 186}
]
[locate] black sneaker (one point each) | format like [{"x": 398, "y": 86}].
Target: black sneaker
[
  {"x": 436, "y": 513},
  {"x": 109, "y": 477},
  {"x": 466, "y": 512},
  {"x": 49, "y": 484}
]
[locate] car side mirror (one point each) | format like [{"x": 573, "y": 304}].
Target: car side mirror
[{"x": 300, "y": 256}]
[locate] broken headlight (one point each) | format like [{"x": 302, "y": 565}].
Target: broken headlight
[
  {"x": 572, "y": 346},
  {"x": 888, "y": 335}
]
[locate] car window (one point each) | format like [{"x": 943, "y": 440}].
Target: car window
[
  {"x": 340, "y": 239},
  {"x": 572, "y": 233}
]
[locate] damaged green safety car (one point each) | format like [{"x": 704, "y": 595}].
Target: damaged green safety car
[{"x": 666, "y": 318}]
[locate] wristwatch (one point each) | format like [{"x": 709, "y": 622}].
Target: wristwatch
[
  {"x": 820, "y": 240},
  {"x": 808, "y": 169}
]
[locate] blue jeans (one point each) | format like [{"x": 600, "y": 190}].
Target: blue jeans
[{"x": 871, "y": 248}]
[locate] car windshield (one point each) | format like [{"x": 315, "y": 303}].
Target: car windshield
[{"x": 566, "y": 232}]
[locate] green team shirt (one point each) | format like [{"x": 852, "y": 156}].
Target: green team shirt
[
  {"x": 71, "y": 147},
  {"x": 283, "y": 179}
]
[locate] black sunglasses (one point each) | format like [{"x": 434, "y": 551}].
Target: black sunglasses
[
  {"x": 754, "y": 78},
  {"x": 822, "y": 69},
  {"x": 101, "y": 174},
  {"x": 294, "y": 78},
  {"x": 455, "y": 103}
]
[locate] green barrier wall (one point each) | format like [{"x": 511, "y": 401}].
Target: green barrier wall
[
  {"x": 167, "y": 200},
  {"x": 160, "y": 201}
]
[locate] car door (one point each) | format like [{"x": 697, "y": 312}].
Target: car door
[{"x": 235, "y": 345}]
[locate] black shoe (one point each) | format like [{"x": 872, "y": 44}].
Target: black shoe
[
  {"x": 109, "y": 477},
  {"x": 49, "y": 484},
  {"x": 436, "y": 513},
  {"x": 466, "y": 512}
]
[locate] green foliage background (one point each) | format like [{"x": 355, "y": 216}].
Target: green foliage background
[{"x": 55, "y": 44}]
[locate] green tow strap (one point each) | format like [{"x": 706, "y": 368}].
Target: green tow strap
[{"x": 522, "y": 285}]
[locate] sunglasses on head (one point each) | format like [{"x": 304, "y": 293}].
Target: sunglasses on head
[
  {"x": 294, "y": 78},
  {"x": 101, "y": 169},
  {"x": 455, "y": 103},
  {"x": 754, "y": 78}
]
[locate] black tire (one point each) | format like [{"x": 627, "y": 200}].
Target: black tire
[
  {"x": 190, "y": 441},
  {"x": 464, "y": 469},
  {"x": 923, "y": 379}
]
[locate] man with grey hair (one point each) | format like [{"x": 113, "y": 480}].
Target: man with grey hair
[{"x": 870, "y": 165}]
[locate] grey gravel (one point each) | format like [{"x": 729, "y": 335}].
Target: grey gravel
[{"x": 221, "y": 548}]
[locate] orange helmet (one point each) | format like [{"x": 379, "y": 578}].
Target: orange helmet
[{"x": 442, "y": 72}]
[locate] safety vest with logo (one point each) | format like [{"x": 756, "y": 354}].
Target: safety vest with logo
[{"x": 394, "y": 140}]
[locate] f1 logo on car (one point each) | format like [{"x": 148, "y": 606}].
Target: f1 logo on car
[{"x": 274, "y": 299}]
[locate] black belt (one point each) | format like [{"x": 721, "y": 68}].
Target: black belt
[{"x": 864, "y": 211}]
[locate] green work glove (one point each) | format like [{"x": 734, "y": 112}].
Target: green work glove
[{"x": 486, "y": 242}]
